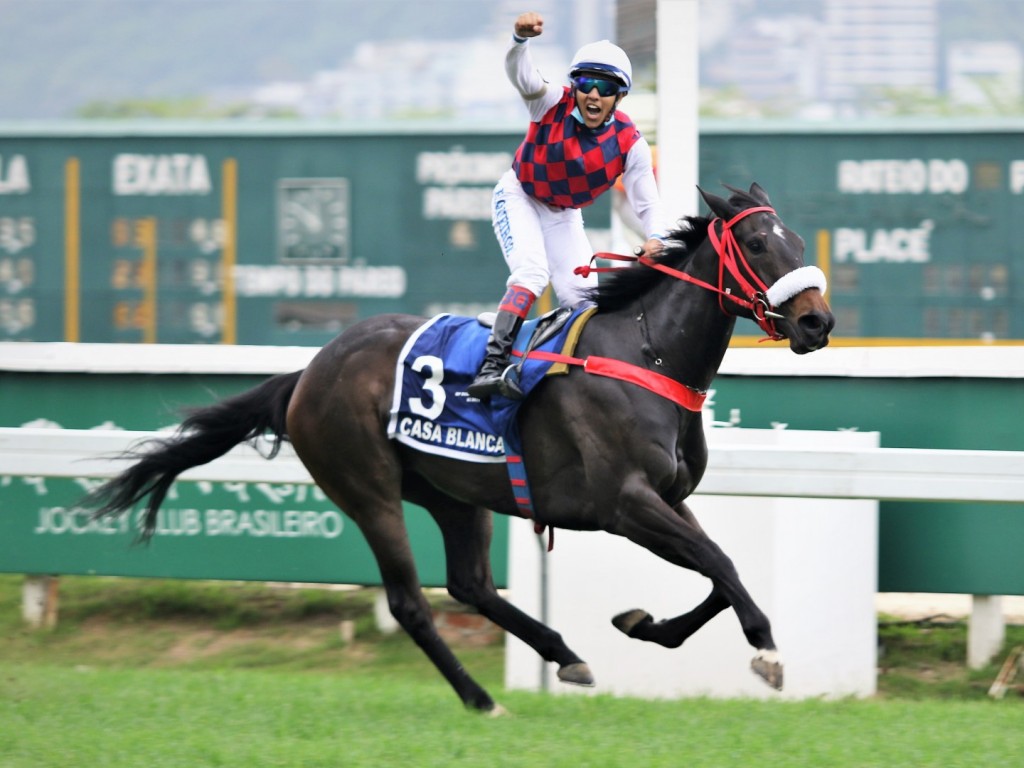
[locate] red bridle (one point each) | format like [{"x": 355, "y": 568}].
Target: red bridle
[{"x": 730, "y": 259}]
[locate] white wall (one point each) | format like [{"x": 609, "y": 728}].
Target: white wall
[{"x": 810, "y": 564}]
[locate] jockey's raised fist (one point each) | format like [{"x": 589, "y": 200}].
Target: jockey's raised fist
[{"x": 529, "y": 24}]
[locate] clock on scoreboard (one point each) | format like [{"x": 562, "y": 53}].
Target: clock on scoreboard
[{"x": 313, "y": 220}]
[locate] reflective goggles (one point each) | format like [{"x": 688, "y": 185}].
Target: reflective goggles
[{"x": 586, "y": 83}]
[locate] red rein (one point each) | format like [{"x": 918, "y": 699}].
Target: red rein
[{"x": 730, "y": 258}]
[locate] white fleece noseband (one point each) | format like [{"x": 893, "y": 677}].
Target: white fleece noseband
[{"x": 792, "y": 283}]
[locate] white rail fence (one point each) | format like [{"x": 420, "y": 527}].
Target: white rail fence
[
  {"x": 772, "y": 464},
  {"x": 884, "y": 474}
]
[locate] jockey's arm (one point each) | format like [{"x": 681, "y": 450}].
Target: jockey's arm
[
  {"x": 642, "y": 193},
  {"x": 538, "y": 95}
]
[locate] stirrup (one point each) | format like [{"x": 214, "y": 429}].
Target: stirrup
[{"x": 508, "y": 384}]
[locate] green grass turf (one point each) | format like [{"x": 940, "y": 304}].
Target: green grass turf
[{"x": 150, "y": 673}]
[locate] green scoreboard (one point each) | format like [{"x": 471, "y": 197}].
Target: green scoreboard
[
  {"x": 223, "y": 235},
  {"x": 230, "y": 233}
]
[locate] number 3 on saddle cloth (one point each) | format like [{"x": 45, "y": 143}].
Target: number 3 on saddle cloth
[{"x": 431, "y": 410}]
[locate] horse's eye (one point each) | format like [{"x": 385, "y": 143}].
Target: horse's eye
[{"x": 755, "y": 245}]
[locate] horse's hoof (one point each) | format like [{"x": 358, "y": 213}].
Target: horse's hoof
[
  {"x": 628, "y": 621},
  {"x": 497, "y": 711},
  {"x": 576, "y": 674},
  {"x": 767, "y": 666}
]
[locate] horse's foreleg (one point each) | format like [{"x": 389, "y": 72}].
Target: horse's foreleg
[
  {"x": 675, "y": 535},
  {"x": 671, "y": 633},
  {"x": 467, "y": 539}
]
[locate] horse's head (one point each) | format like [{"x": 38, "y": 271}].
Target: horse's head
[{"x": 764, "y": 263}]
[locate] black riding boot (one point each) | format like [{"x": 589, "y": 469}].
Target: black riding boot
[{"x": 489, "y": 380}]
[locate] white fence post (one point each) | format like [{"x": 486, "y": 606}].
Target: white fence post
[
  {"x": 39, "y": 596},
  {"x": 986, "y": 631}
]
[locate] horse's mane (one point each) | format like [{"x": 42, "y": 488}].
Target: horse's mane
[{"x": 618, "y": 289}]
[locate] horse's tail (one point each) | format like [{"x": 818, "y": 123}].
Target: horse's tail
[{"x": 205, "y": 434}]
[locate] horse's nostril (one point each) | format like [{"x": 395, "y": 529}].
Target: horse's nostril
[
  {"x": 810, "y": 323},
  {"x": 816, "y": 322}
]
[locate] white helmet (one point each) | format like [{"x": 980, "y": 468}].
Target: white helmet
[{"x": 603, "y": 56}]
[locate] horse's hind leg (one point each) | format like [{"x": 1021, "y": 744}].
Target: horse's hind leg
[
  {"x": 336, "y": 422},
  {"x": 365, "y": 484},
  {"x": 389, "y": 540},
  {"x": 467, "y": 540}
]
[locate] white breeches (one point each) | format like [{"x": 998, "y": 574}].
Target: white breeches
[{"x": 541, "y": 244}]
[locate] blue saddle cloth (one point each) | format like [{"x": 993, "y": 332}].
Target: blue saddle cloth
[{"x": 431, "y": 410}]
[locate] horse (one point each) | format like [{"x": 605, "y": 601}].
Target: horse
[{"x": 601, "y": 453}]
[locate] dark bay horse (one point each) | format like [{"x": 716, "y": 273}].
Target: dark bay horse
[{"x": 601, "y": 454}]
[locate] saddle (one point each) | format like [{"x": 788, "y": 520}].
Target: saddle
[
  {"x": 431, "y": 409},
  {"x": 536, "y": 333}
]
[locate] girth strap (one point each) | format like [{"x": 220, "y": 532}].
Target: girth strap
[
  {"x": 680, "y": 394},
  {"x": 524, "y": 499}
]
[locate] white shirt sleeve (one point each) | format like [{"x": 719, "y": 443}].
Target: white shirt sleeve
[
  {"x": 642, "y": 191},
  {"x": 538, "y": 95}
]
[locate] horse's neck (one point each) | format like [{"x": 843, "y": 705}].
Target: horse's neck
[
  {"x": 688, "y": 330},
  {"x": 676, "y": 329}
]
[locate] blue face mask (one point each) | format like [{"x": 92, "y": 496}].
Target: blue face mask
[{"x": 579, "y": 117}]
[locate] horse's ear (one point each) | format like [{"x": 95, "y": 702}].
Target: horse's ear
[
  {"x": 759, "y": 194},
  {"x": 718, "y": 205}
]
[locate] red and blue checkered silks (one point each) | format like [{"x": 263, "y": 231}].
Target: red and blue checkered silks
[{"x": 565, "y": 164}]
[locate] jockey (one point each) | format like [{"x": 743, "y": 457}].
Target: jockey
[{"x": 577, "y": 145}]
